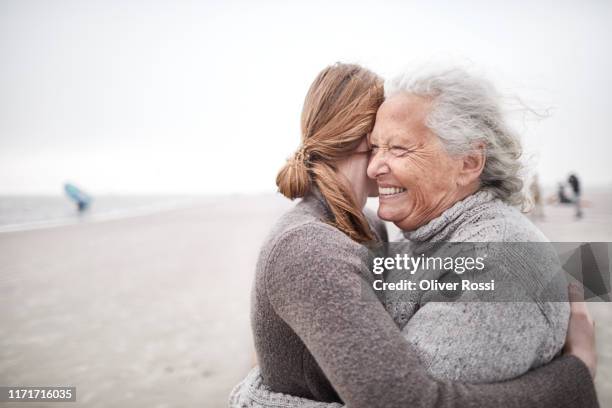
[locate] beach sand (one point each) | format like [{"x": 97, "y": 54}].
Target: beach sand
[{"x": 153, "y": 310}]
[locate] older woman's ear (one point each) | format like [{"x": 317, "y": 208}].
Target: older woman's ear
[{"x": 472, "y": 165}]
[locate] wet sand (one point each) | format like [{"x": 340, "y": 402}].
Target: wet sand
[{"x": 153, "y": 311}]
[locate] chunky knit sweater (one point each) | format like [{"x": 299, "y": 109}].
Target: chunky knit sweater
[
  {"x": 318, "y": 338},
  {"x": 475, "y": 341}
]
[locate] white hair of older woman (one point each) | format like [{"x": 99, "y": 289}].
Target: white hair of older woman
[{"x": 467, "y": 110}]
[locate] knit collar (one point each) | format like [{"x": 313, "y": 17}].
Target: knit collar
[{"x": 440, "y": 228}]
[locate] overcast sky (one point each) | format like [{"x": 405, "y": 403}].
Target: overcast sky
[{"x": 205, "y": 97}]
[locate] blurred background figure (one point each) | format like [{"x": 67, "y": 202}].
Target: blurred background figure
[
  {"x": 575, "y": 184},
  {"x": 573, "y": 197},
  {"x": 536, "y": 196},
  {"x": 82, "y": 199},
  {"x": 562, "y": 195}
]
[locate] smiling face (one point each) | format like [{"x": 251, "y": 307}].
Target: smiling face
[{"x": 417, "y": 179}]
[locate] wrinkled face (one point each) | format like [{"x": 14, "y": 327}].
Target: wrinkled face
[{"x": 417, "y": 179}]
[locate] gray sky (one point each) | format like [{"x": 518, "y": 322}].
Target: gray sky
[{"x": 205, "y": 97}]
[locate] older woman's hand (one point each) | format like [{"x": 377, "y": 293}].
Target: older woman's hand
[{"x": 580, "y": 340}]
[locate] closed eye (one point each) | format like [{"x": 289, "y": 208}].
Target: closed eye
[{"x": 399, "y": 151}]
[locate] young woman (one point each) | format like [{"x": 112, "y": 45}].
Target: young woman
[{"x": 318, "y": 333}]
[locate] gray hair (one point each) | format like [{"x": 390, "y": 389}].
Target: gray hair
[{"x": 465, "y": 110}]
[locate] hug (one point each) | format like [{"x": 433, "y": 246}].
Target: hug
[{"x": 436, "y": 150}]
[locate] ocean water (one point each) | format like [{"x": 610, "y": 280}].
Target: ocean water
[{"x": 32, "y": 212}]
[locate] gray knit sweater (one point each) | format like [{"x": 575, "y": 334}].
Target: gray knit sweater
[
  {"x": 481, "y": 342},
  {"x": 317, "y": 339}
]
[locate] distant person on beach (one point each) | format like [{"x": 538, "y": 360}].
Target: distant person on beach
[
  {"x": 574, "y": 182},
  {"x": 318, "y": 340},
  {"x": 562, "y": 195},
  {"x": 536, "y": 196},
  {"x": 564, "y": 198},
  {"x": 82, "y": 199}
]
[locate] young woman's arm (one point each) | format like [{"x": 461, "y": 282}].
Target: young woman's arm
[{"x": 318, "y": 288}]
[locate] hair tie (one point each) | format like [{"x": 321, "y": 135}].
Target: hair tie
[{"x": 303, "y": 156}]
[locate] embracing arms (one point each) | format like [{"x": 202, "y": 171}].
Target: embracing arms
[{"x": 319, "y": 289}]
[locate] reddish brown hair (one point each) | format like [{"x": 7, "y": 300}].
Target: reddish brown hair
[{"x": 339, "y": 111}]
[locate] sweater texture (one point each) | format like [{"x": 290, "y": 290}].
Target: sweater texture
[{"x": 321, "y": 339}]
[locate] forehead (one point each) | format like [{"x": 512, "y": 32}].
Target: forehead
[{"x": 402, "y": 118}]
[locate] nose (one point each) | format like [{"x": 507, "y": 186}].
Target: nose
[{"x": 378, "y": 164}]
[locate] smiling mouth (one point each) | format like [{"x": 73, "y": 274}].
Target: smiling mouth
[{"x": 390, "y": 191}]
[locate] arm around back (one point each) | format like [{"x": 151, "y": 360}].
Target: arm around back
[{"x": 317, "y": 283}]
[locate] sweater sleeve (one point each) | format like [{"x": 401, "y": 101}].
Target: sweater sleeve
[
  {"x": 502, "y": 334},
  {"x": 480, "y": 342},
  {"x": 323, "y": 295}
]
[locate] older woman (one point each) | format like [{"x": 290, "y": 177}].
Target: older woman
[
  {"x": 316, "y": 336},
  {"x": 447, "y": 169}
]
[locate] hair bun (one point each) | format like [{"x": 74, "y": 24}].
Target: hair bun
[{"x": 293, "y": 180}]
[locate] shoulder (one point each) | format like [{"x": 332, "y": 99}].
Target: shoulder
[
  {"x": 314, "y": 242},
  {"x": 496, "y": 221},
  {"x": 311, "y": 238},
  {"x": 307, "y": 261},
  {"x": 303, "y": 239}
]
